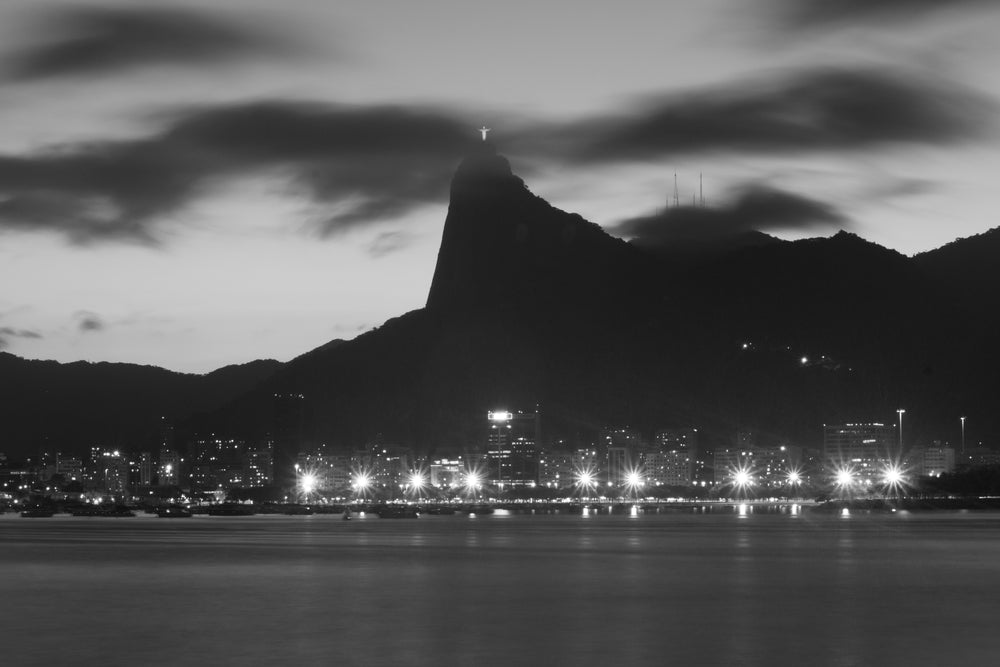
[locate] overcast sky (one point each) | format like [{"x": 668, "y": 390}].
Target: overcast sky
[{"x": 194, "y": 184}]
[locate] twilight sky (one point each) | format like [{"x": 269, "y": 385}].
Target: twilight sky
[{"x": 192, "y": 184}]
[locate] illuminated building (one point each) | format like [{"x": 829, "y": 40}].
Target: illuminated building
[
  {"x": 332, "y": 472},
  {"x": 511, "y": 448},
  {"x": 446, "y": 473},
  {"x": 729, "y": 462},
  {"x": 114, "y": 472},
  {"x": 980, "y": 456},
  {"x": 618, "y": 461},
  {"x": 676, "y": 439},
  {"x": 670, "y": 459},
  {"x": 217, "y": 463},
  {"x": 858, "y": 441},
  {"x": 669, "y": 467},
  {"x": 932, "y": 461},
  {"x": 556, "y": 469},
  {"x": 258, "y": 467},
  {"x": 865, "y": 449},
  {"x": 70, "y": 468},
  {"x": 145, "y": 469},
  {"x": 169, "y": 468}
]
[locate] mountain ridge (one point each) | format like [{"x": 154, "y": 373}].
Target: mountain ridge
[{"x": 533, "y": 306}]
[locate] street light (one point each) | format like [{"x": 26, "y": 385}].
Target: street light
[
  {"x": 308, "y": 484},
  {"x": 473, "y": 480},
  {"x": 633, "y": 481},
  {"x": 963, "y": 436},
  {"x": 844, "y": 478},
  {"x": 900, "y": 412},
  {"x": 362, "y": 482},
  {"x": 585, "y": 481},
  {"x": 417, "y": 482},
  {"x": 794, "y": 479}
]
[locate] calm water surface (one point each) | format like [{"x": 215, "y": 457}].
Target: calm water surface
[{"x": 685, "y": 589}]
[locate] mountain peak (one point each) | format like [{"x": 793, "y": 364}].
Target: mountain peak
[
  {"x": 484, "y": 172},
  {"x": 503, "y": 243}
]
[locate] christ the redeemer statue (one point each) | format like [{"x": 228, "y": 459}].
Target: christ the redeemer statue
[{"x": 483, "y": 130}]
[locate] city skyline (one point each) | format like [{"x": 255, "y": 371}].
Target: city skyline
[{"x": 163, "y": 218}]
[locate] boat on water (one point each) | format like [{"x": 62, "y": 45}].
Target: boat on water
[
  {"x": 118, "y": 510},
  {"x": 37, "y": 512},
  {"x": 231, "y": 509},
  {"x": 439, "y": 510},
  {"x": 173, "y": 512},
  {"x": 397, "y": 512},
  {"x": 102, "y": 510},
  {"x": 293, "y": 509}
]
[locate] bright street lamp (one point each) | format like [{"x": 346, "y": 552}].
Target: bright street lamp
[{"x": 307, "y": 483}]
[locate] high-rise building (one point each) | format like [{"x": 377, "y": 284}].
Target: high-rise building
[
  {"x": 169, "y": 468},
  {"x": 668, "y": 467},
  {"x": 145, "y": 469},
  {"x": 258, "y": 466},
  {"x": 216, "y": 464},
  {"x": 729, "y": 462},
  {"x": 864, "y": 450},
  {"x": 114, "y": 472},
  {"x": 852, "y": 442},
  {"x": 935, "y": 461},
  {"x": 670, "y": 459},
  {"x": 71, "y": 468},
  {"x": 511, "y": 448},
  {"x": 618, "y": 462},
  {"x": 558, "y": 469},
  {"x": 676, "y": 439}
]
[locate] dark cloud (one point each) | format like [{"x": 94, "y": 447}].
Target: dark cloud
[
  {"x": 363, "y": 164},
  {"x": 87, "y": 321},
  {"x": 92, "y": 40},
  {"x": 825, "y": 12},
  {"x": 388, "y": 242},
  {"x": 6, "y": 333},
  {"x": 829, "y": 109},
  {"x": 756, "y": 208},
  {"x": 380, "y": 161}
]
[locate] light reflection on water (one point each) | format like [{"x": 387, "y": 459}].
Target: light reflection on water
[{"x": 722, "y": 588}]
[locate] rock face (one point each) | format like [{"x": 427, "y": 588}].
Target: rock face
[{"x": 501, "y": 243}]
